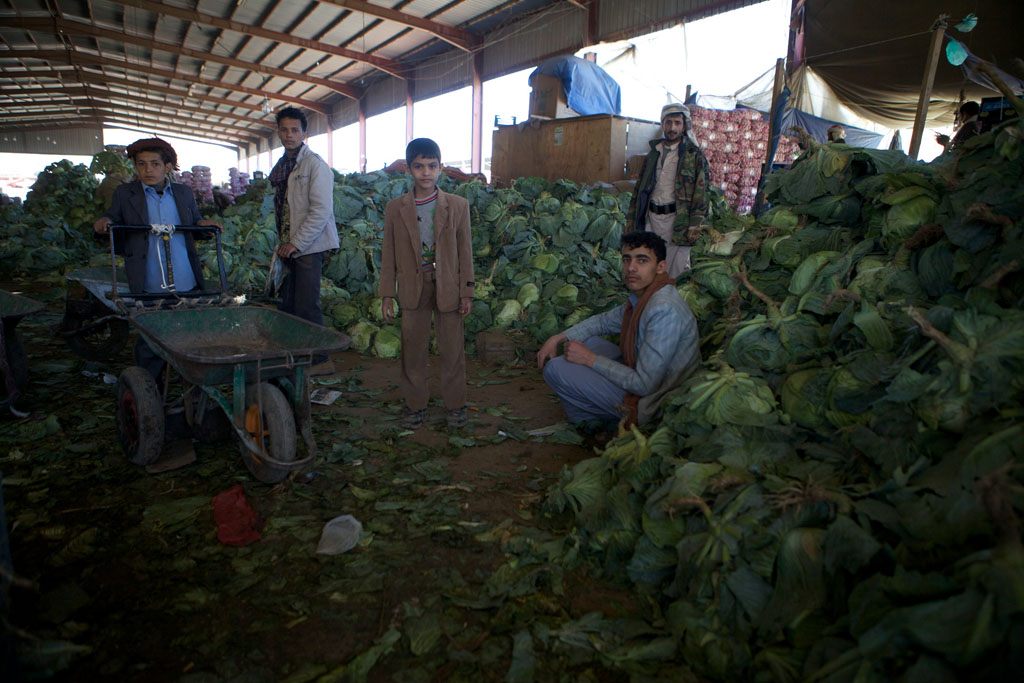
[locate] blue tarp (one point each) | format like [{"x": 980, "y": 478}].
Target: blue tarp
[
  {"x": 817, "y": 128},
  {"x": 588, "y": 88}
]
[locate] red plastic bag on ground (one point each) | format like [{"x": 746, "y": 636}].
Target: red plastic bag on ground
[{"x": 235, "y": 519}]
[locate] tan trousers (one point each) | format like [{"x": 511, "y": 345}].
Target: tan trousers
[
  {"x": 677, "y": 259},
  {"x": 451, "y": 342}
]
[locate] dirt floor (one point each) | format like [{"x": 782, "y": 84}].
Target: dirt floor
[{"x": 121, "y": 574}]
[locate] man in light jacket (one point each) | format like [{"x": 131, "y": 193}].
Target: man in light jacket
[{"x": 304, "y": 210}]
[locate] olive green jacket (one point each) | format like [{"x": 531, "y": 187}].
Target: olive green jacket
[{"x": 693, "y": 177}]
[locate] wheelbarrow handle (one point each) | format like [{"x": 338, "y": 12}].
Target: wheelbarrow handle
[{"x": 165, "y": 230}]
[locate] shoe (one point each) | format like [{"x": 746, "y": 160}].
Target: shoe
[
  {"x": 456, "y": 418},
  {"x": 320, "y": 369},
  {"x": 414, "y": 419}
]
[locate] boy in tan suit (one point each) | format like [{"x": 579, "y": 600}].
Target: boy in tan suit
[{"x": 428, "y": 253}]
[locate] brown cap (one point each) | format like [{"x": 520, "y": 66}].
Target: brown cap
[{"x": 152, "y": 144}]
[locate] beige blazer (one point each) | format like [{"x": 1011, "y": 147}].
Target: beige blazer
[{"x": 402, "y": 253}]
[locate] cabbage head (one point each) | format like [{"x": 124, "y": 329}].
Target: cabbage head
[
  {"x": 479, "y": 318},
  {"x": 902, "y": 220},
  {"x": 728, "y": 397},
  {"x": 807, "y": 272},
  {"x": 577, "y": 316},
  {"x": 803, "y": 397},
  {"x": 763, "y": 345},
  {"x": 344, "y": 314},
  {"x": 783, "y": 250},
  {"x": 545, "y": 262},
  {"x": 376, "y": 309},
  {"x": 700, "y": 302},
  {"x": 849, "y": 397},
  {"x": 781, "y": 217},
  {"x": 566, "y": 296},
  {"x": 362, "y": 335},
  {"x": 949, "y": 411},
  {"x": 528, "y": 293},
  {"x": 484, "y": 290},
  {"x": 715, "y": 276},
  {"x": 508, "y": 312},
  {"x": 387, "y": 343},
  {"x": 544, "y": 325}
]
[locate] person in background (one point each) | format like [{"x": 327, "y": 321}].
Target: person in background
[
  {"x": 969, "y": 126},
  {"x": 671, "y": 195},
  {"x": 658, "y": 345},
  {"x": 428, "y": 254},
  {"x": 837, "y": 134},
  {"x": 154, "y": 199},
  {"x": 304, "y": 212}
]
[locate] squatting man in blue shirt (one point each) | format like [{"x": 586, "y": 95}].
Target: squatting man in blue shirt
[
  {"x": 154, "y": 200},
  {"x": 658, "y": 347}
]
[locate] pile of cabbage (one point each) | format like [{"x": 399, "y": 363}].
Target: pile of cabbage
[
  {"x": 545, "y": 254},
  {"x": 53, "y": 227},
  {"x": 836, "y": 494}
]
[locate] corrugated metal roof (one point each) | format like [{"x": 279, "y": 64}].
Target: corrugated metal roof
[{"x": 319, "y": 54}]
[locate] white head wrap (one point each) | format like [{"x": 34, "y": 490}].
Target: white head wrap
[{"x": 680, "y": 110}]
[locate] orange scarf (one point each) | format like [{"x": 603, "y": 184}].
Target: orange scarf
[{"x": 627, "y": 339}]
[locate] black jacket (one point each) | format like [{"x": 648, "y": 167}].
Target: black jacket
[{"x": 128, "y": 207}]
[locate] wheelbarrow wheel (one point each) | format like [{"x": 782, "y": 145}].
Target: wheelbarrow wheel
[
  {"x": 140, "y": 416},
  {"x": 99, "y": 343},
  {"x": 273, "y": 428}
]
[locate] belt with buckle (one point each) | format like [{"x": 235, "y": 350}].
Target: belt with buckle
[
  {"x": 662, "y": 208},
  {"x": 428, "y": 267}
]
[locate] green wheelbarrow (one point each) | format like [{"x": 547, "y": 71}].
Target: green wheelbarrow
[
  {"x": 250, "y": 363},
  {"x": 13, "y": 362}
]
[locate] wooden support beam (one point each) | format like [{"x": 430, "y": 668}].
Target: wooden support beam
[
  {"x": 594, "y": 23},
  {"x": 477, "y": 127},
  {"x": 460, "y": 38},
  {"x": 797, "y": 22},
  {"x": 60, "y": 26},
  {"x": 931, "y": 64},
  {"x": 75, "y": 57},
  {"x": 386, "y": 65}
]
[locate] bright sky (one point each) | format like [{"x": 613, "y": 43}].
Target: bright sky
[{"x": 715, "y": 56}]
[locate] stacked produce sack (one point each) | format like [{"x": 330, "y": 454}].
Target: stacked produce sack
[
  {"x": 735, "y": 143},
  {"x": 836, "y": 494},
  {"x": 201, "y": 182},
  {"x": 239, "y": 182}
]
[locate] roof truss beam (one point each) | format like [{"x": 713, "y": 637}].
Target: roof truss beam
[
  {"x": 84, "y": 76},
  {"x": 76, "y": 57},
  {"x": 94, "y": 92},
  {"x": 84, "y": 121},
  {"x": 140, "y": 120},
  {"x": 59, "y": 26},
  {"x": 386, "y": 65},
  {"x": 460, "y": 38}
]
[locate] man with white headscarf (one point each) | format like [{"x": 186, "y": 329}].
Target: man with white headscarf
[{"x": 671, "y": 194}]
